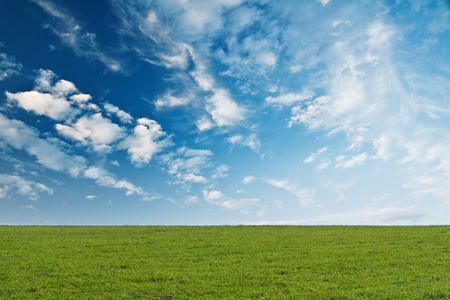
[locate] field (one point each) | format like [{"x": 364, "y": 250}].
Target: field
[{"x": 225, "y": 262}]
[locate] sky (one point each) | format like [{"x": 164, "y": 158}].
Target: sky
[{"x": 224, "y": 112}]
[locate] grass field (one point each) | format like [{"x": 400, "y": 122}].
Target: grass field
[{"x": 236, "y": 262}]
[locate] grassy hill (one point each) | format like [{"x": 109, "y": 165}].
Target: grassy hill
[{"x": 225, "y": 262}]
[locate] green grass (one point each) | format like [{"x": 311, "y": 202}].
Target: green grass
[{"x": 270, "y": 262}]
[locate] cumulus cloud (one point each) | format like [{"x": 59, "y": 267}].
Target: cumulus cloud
[
  {"x": 93, "y": 130},
  {"x": 186, "y": 164},
  {"x": 49, "y": 154},
  {"x": 43, "y": 104},
  {"x": 191, "y": 177},
  {"x": 145, "y": 142},
  {"x": 122, "y": 115},
  {"x": 219, "y": 199},
  {"x": 18, "y": 185},
  {"x": 53, "y": 98}
]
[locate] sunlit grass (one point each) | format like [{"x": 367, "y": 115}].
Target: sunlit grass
[{"x": 273, "y": 262}]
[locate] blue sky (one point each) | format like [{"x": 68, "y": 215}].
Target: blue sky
[{"x": 224, "y": 112}]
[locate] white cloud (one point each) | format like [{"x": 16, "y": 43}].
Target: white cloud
[
  {"x": 49, "y": 154},
  {"x": 191, "y": 199},
  {"x": 295, "y": 68},
  {"x": 122, "y": 115},
  {"x": 223, "y": 110},
  {"x": 93, "y": 130},
  {"x": 394, "y": 214},
  {"x": 219, "y": 199},
  {"x": 22, "y": 187},
  {"x": 250, "y": 141},
  {"x": 9, "y": 66},
  {"x": 91, "y": 197},
  {"x": 186, "y": 164},
  {"x": 80, "y": 98},
  {"x": 169, "y": 100},
  {"x": 190, "y": 177},
  {"x": 221, "y": 172},
  {"x": 199, "y": 16},
  {"x": 103, "y": 178},
  {"x": 43, "y": 104},
  {"x": 204, "y": 123},
  {"x": 357, "y": 160},
  {"x": 239, "y": 203},
  {"x": 73, "y": 35},
  {"x": 266, "y": 58},
  {"x": 20, "y": 136},
  {"x": 213, "y": 195},
  {"x": 248, "y": 179},
  {"x": 313, "y": 156},
  {"x": 324, "y": 2},
  {"x": 53, "y": 98},
  {"x": 155, "y": 45},
  {"x": 145, "y": 141},
  {"x": 290, "y": 98},
  {"x": 305, "y": 196},
  {"x": 260, "y": 50}
]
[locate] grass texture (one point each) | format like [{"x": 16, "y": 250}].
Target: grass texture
[{"x": 225, "y": 262}]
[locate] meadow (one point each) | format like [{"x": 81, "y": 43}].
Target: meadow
[{"x": 225, "y": 262}]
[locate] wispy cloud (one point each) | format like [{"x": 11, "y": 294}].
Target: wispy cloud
[
  {"x": 72, "y": 34},
  {"x": 155, "y": 44},
  {"x": 248, "y": 179},
  {"x": 355, "y": 161},
  {"x": 252, "y": 141},
  {"x": 313, "y": 156},
  {"x": 394, "y": 214},
  {"x": 9, "y": 66},
  {"x": 290, "y": 98},
  {"x": 218, "y": 198},
  {"x": 304, "y": 195}
]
